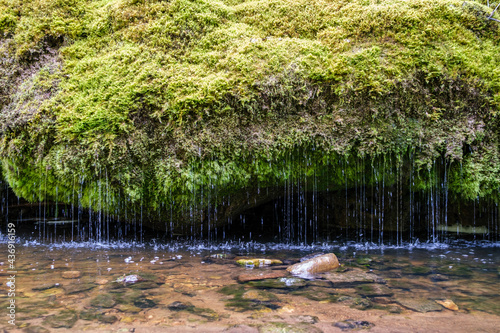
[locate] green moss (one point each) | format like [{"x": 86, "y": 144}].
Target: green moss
[{"x": 115, "y": 104}]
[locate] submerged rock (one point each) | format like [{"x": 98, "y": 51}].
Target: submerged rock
[
  {"x": 281, "y": 283},
  {"x": 71, "y": 274},
  {"x": 259, "y": 295},
  {"x": 107, "y": 319},
  {"x": 79, "y": 288},
  {"x": 319, "y": 264},
  {"x": 129, "y": 279},
  {"x": 306, "y": 319},
  {"x": 449, "y": 304},
  {"x": 46, "y": 286},
  {"x": 144, "y": 303},
  {"x": 261, "y": 275},
  {"x": 144, "y": 285},
  {"x": 289, "y": 328},
  {"x": 128, "y": 308},
  {"x": 65, "y": 319},
  {"x": 351, "y": 324},
  {"x": 419, "y": 304},
  {"x": 101, "y": 281},
  {"x": 417, "y": 270},
  {"x": 103, "y": 301},
  {"x": 373, "y": 290},
  {"x": 352, "y": 276},
  {"x": 35, "y": 329},
  {"x": 179, "y": 306},
  {"x": 241, "y": 329},
  {"x": 206, "y": 313}
]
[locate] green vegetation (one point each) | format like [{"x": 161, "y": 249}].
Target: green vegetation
[{"x": 149, "y": 102}]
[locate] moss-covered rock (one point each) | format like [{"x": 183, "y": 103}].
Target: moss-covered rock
[{"x": 127, "y": 105}]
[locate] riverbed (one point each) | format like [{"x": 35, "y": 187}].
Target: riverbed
[{"x": 182, "y": 287}]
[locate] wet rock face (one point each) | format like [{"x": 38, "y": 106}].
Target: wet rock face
[{"x": 319, "y": 264}]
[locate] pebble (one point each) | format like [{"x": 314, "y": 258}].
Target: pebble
[
  {"x": 319, "y": 264},
  {"x": 449, "y": 304}
]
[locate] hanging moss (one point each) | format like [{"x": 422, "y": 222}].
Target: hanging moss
[{"x": 149, "y": 103}]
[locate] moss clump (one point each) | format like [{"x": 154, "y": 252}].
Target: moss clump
[{"x": 118, "y": 104}]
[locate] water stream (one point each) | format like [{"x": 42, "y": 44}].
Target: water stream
[{"x": 403, "y": 249}]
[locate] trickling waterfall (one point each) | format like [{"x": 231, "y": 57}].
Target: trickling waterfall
[{"x": 307, "y": 199}]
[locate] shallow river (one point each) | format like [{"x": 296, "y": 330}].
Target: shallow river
[{"x": 176, "y": 287}]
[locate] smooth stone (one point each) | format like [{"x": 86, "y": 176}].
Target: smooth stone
[
  {"x": 373, "y": 290},
  {"x": 419, "y": 304},
  {"x": 79, "y": 288},
  {"x": 449, "y": 304},
  {"x": 320, "y": 264},
  {"x": 103, "y": 301},
  {"x": 71, "y": 274},
  {"x": 65, "y": 319},
  {"x": 261, "y": 275},
  {"x": 352, "y": 276},
  {"x": 258, "y": 262}
]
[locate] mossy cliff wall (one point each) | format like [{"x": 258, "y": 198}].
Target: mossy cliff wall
[{"x": 183, "y": 104}]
